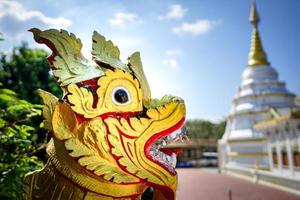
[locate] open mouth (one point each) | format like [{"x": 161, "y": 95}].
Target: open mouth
[{"x": 159, "y": 152}]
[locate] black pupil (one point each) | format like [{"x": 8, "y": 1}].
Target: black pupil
[{"x": 121, "y": 96}]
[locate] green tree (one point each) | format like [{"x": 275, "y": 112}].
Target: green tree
[
  {"x": 205, "y": 129},
  {"x": 22, "y": 142},
  {"x": 219, "y": 129},
  {"x": 27, "y": 70}
]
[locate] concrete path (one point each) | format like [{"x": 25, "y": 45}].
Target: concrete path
[{"x": 197, "y": 184}]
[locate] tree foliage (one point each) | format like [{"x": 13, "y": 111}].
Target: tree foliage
[
  {"x": 21, "y": 138},
  {"x": 205, "y": 129},
  {"x": 25, "y": 71}
]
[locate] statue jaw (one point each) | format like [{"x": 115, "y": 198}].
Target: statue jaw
[
  {"x": 155, "y": 147},
  {"x": 154, "y": 151},
  {"x": 165, "y": 128},
  {"x": 143, "y": 135}
]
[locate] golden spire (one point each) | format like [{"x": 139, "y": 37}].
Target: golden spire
[{"x": 257, "y": 56}]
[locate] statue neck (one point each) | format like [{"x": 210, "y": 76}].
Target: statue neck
[{"x": 62, "y": 176}]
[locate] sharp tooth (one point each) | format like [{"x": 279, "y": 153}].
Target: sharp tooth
[
  {"x": 168, "y": 159},
  {"x": 173, "y": 159},
  {"x": 173, "y": 135},
  {"x": 185, "y": 138},
  {"x": 163, "y": 158},
  {"x": 179, "y": 133},
  {"x": 183, "y": 129}
]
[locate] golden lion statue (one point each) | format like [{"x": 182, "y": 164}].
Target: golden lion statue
[{"x": 108, "y": 135}]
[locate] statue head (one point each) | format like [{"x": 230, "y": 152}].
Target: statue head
[{"x": 106, "y": 128}]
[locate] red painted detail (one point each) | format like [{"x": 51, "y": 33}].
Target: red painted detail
[
  {"x": 170, "y": 151},
  {"x": 96, "y": 99},
  {"x": 166, "y": 191},
  {"x": 116, "y": 115},
  {"x": 125, "y": 135},
  {"x": 118, "y": 157},
  {"x": 128, "y": 146},
  {"x": 108, "y": 133},
  {"x": 86, "y": 190},
  {"x": 50, "y": 59},
  {"x": 80, "y": 119},
  {"x": 119, "y": 115},
  {"x": 128, "y": 121},
  {"x": 111, "y": 147},
  {"x": 92, "y": 83},
  {"x": 122, "y": 142},
  {"x": 159, "y": 135}
]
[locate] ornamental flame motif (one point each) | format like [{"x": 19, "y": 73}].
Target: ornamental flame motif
[{"x": 108, "y": 135}]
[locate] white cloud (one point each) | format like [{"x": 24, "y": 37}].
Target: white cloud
[
  {"x": 15, "y": 19},
  {"x": 171, "y": 59},
  {"x": 122, "y": 19},
  {"x": 171, "y": 62},
  {"x": 176, "y": 11},
  {"x": 173, "y": 52},
  {"x": 198, "y": 27}
]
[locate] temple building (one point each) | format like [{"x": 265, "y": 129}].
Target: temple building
[{"x": 262, "y": 136}]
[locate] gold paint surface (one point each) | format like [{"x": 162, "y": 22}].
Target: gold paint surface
[
  {"x": 102, "y": 126},
  {"x": 257, "y": 55},
  {"x": 82, "y": 99},
  {"x": 49, "y": 101},
  {"x": 68, "y": 64}
]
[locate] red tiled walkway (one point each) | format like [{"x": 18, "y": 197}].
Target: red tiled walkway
[{"x": 197, "y": 184}]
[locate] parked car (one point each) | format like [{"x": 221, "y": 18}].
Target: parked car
[
  {"x": 184, "y": 164},
  {"x": 208, "y": 159}
]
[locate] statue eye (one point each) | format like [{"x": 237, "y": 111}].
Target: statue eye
[{"x": 121, "y": 96}]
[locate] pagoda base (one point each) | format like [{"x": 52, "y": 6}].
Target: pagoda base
[{"x": 265, "y": 177}]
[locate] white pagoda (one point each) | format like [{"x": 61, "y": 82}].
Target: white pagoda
[{"x": 261, "y": 97}]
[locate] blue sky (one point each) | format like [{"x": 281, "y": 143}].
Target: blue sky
[{"x": 193, "y": 49}]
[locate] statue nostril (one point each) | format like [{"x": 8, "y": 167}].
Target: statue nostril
[{"x": 143, "y": 113}]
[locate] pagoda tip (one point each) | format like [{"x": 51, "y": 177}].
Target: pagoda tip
[{"x": 254, "y": 17}]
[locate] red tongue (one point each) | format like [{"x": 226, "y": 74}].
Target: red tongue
[{"x": 170, "y": 151}]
